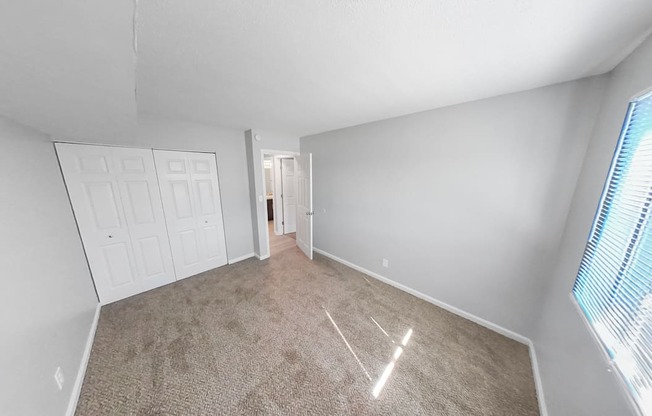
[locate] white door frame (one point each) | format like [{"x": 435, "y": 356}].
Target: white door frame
[
  {"x": 270, "y": 152},
  {"x": 277, "y": 181}
]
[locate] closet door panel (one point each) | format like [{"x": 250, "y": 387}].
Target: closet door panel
[
  {"x": 118, "y": 264},
  {"x": 117, "y": 206},
  {"x": 190, "y": 247},
  {"x": 174, "y": 181},
  {"x": 151, "y": 249},
  {"x": 203, "y": 172},
  {"x": 95, "y": 196},
  {"x": 136, "y": 176},
  {"x": 190, "y": 193}
]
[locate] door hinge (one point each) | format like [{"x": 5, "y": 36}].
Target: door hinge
[{"x": 282, "y": 222}]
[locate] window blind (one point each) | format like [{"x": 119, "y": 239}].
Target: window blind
[{"x": 614, "y": 283}]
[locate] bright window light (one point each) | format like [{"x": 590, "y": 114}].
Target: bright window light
[{"x": 614, "y": 283}]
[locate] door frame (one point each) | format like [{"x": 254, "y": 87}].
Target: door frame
[{"x": 273, "y": 153}]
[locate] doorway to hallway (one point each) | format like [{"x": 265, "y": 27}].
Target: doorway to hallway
[
  {"x": 281, "y": 201},
  {"x": 279, "y": 243}
]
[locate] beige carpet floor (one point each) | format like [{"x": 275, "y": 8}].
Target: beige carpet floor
[{"x": 289, "y": 336}]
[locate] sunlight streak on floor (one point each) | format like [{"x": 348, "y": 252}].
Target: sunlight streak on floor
[
  {"x": 379, "y": 327},
  {"x": 347, "y": 344},
  {"x": 390, "y": 367}
]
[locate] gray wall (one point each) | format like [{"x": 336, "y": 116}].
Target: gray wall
[
  {"x": 467, "y": 202},
  {"x": 253, "y": 199},
  {"x": 47, "y": 300},
  {"x": 574, "y": 374},
  {"x": 228, "y": 144}
]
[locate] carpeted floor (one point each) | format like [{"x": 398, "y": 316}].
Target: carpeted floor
[{"x": 289, "y": 336}]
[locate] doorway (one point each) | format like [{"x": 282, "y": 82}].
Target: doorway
[{"x": 281, "y": 201}]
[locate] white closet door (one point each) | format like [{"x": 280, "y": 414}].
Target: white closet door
[
  {"x": 141, "y": 200},
  {"x": 118, "y": 209},
  {"x": 193, "y": 210}
]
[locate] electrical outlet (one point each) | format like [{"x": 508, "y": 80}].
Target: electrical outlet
[
  {"x": 58, "y": 377},
  {"x": 385, "y": 263}
]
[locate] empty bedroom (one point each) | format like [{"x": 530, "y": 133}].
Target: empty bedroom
[{"x": 344, "y": 207}]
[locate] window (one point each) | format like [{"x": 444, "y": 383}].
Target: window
[{"x": 614, "y": 282}]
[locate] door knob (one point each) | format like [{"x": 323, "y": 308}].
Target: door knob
[{"x": 110, "y": 236}]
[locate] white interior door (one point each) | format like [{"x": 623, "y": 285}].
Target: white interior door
[
  {"x": 304, "y": 203},
  {"x": 193, "y": 210},
  {"x": 117, "y": 205},
  {"x": 289, "y": 196}
]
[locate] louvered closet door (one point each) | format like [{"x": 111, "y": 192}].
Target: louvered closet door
[
  {"x": 193, "y": 211},
  {"x": 115, "y": 198}
]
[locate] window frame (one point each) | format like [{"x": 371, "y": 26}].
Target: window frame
[{"x": 612, "y": 366}]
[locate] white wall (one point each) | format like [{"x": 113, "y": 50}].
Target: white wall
[
  {"x": 228, "y": 144},
  {"x": 467, "y": 202},
  {"x": 47, "y": 300},
  {"x": 268, "y": 141},
  {"x": 575, "y": 377},
  {"x": 68, "y": 67}
]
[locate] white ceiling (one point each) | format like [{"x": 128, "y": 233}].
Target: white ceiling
[
  {"x": 69, "y": 67},
  {"x": 312, "y": 66}
]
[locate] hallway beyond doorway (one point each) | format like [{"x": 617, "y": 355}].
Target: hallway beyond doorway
[{"x": 279, "y": 243}]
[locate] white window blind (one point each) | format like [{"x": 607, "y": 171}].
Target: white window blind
[{"x": 614, "y": 282}]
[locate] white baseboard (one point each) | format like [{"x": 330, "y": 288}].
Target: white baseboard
[
  {"x": 259, "y": 257},
  {"x": 480, "y": 321},
  {"x": 237, "y": 259},
  {"x": 494, "y": 327},
  {"x": 79, "y": 381},
  {"x": 543, "y": 410}
]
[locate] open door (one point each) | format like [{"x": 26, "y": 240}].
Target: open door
[{"x": 304, "y": 203}]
